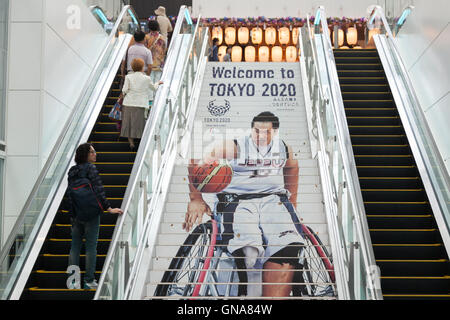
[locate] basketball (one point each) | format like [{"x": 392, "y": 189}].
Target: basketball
[{"x": 212, "y": 178}]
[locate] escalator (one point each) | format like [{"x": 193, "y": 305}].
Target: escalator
[
  {"x": 114, "y": 162},
  {"x": 407, "y": 244}
]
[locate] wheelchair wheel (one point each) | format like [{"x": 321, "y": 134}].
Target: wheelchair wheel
[
  {"x": 185, "y": 269},
  {"x": 317, "y": 277}
]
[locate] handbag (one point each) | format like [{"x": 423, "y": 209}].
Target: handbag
[{"x": 116, "y": 111}]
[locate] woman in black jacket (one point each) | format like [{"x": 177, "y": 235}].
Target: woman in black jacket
[{"x": 82, "y": 227}]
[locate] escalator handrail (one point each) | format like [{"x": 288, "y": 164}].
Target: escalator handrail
[
  {"x": 148, "y": 133},
  {"x": 346, "y": 150},
  {"x": 420, "y": 136},
  {"x": 69, "y": 123}
]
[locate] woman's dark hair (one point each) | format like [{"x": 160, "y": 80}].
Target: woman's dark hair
[
  {"x": 82, "y": 153},
  {"x": 267, "y": 117},
  {"x": 139, "y": 36},
  {"x": 215, "y": 40},
  {"x": 153, "y": 25}
]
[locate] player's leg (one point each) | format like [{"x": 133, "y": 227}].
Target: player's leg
[{"x": 284, "y": 245}]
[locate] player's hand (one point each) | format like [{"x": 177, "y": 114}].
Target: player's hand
[
  {"x": 209, "y": 159},
  {"x": 194, "y": 214}
]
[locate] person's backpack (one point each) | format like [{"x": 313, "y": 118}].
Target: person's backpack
[{"x": 85, "y": 205}]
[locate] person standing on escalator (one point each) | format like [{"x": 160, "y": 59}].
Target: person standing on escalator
[{"x": 87, "y": 201}]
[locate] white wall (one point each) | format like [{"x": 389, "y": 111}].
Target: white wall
[
  {"x": 49, "y": 61},
  {"x": 280, "y": 8},
  {"x": 424, "y": 43}
]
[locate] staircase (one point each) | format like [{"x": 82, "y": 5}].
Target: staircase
[
  {"x": 238, "y": 107},
  {"x": 406, "y": 241},
  {"x": 114, "y": 162}
]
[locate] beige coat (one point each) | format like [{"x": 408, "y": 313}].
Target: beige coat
[{"x": 136, "y": 89}]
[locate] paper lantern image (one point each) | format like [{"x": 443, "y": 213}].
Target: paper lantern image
[
  {"x": 236, "y": 54},
  {"x": 243, "y": 35},
  {"x": 271, "y": 36},
  {"x": 230, "y": 35},
  {"x": 250, "y": 54},
  {"x": 352, "y": 36},
  {"x": 257, "y": 35},
  {"x": 217, "y": 32},
  {"x": 222, "y": 52},
  {"x": 295, "y": 34},
  {"x": 291, "y": 54},
  {"x": 340, "y": 37},
  {"x": 371, "y": 34},
  {"x": 263, "y": 54},
  {"x": 277, "y": 54},
  {"x": 284, "y": 35}
]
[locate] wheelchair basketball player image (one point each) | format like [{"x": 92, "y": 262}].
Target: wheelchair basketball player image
[{"x": 258, "y": 207}]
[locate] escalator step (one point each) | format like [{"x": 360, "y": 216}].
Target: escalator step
[
  {"x": 400, "y": 221},
  {"x": 114, "y": 167},
  {"x": 368, "y": 95},
  {"x": 127, "y": 156},
  {"x": 387, "y": 130},
  {"x": 400, "y": 208},
  {"x": 358, "y": 66},
  {"x": 57, "y": 294},
  {"x": 350, "y": 79},
  {"x": 62, "y": 246},
  {"x": 63, "y": 217},
  {"x": 110, "y": 146},
  {"x": 371, "y": 112},
  {"x": 387, "y": 171},
  {"x": 373, "y": 121},
  {"x": 59, "y": 262},
  {"x": 416, "y": 285},
  {"x": 357, "y": 59},
  {"x": 64, "y": 231},
  {"x": 355, "y": 53},
  {"x": 384, "y": 160},
  {"x": 434, "y": 251},
  {"x": 375, "y": 103},
  {"x": 413, "y": 268},
  {"x": 406, "y": 296},
  {"x": 408, "y": 195},
  {"x": 390, "y": 182},
  {"x": 44, "y": 279},
  {"x": 364, "y": 88},
  {"x": 402, "y": 236},
  {"x": 115, "y": 178},
  {"x": 361, "y": 149}
]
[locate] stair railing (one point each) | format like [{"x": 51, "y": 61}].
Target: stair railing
[
  {"x": 134, "y": 237},
  {"x": 22, "y": 247},
  {"x": 357, "y": 276},
  {"x": 426, "y": 154}
]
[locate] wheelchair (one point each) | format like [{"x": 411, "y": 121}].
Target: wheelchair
[{"x": 203, "y": 267}]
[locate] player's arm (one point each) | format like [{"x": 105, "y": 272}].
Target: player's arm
[
  {"x": 290, "y": 173},
  {"x": 197, "y": 206}
]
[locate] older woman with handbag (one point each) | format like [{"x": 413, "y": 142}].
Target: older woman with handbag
[{"x": 136, "y": 90}]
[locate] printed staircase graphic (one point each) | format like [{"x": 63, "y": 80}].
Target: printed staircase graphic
[
  {"x": 114, "y": 163},
  {"x": 407, "y": 244},
  {"x": 228, "y": 103}
]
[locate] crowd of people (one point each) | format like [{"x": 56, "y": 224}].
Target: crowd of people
[{"x": 141, "y": 72}]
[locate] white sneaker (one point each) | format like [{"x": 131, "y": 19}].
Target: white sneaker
[{"x": 90, "y": 285}]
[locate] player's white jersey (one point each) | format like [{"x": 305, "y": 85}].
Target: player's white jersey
[{"x": 258, "y": 171}]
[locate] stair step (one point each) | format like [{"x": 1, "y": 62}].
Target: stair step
[
  {"x": 432, "y": 251},
  {"x": 378, "y": 139},
  {"x": 371, "y": 112},
  {"x": 44, "y": 279},
  {"x": 384, "y": 160},
  {"x": 421, "y": 297},
  {"x": 368, "y": 95},
  {"x": 390, "y": 182},
  {"x": 400, "y": 208},
  {"x": 57, "y": 294},
  {"x": 387, "y": 171},
  {"x": 375, "y": 103},
  {"x": 351, "y": 79},
  {"x": 416, "y": 236},
  {"x": 413, "y": 268},
  {"x": 401, "y": 221},
  {"x": 359, "y": 66},
  {"x": 415, "y": 285}
]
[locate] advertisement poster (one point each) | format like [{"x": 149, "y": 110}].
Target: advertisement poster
[{"x": 250, "y": 163}]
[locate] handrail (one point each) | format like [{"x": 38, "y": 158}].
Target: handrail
[
  {"x": 144, "y": 182},
  {"x": 40, "y": 201},
  {"x": 352, "y": 233},
  {"x": 428, "y": 159}
]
